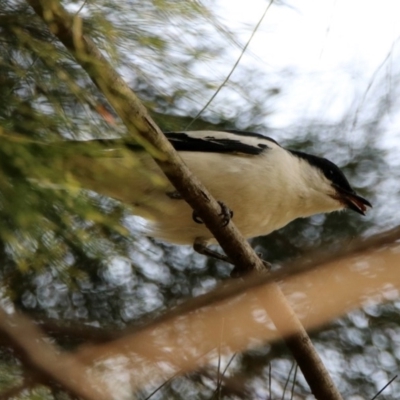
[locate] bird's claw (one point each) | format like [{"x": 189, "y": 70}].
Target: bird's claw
[{"x": 226, "y": 215}]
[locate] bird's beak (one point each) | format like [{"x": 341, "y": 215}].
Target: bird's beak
[{"x": 353, "y": 201}]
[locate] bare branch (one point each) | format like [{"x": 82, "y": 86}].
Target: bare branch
[
  {"x": 338, "y": 285},
  {"x": 50, "y": 363}
]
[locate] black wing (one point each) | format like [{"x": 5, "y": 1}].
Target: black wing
[{"x": 220, "y": 142}]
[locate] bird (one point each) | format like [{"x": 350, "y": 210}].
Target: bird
[{"x": 263, "y": 185}]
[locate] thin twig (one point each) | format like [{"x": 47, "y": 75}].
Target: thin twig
[
  {"x": 371, "y": 82},
  {"x": 269, "y": 381},
  {"x": 294, "y": 381},
  {"x": 219, "y": 375},
  {"x": 162, "y": 385},
  {"x": 233, "y": 68},
  {"x": 228, "y": 364},
  {"x": 380, "y": 392},
  {"x": 81, "y": 8},
  {"x": 288, "y": 380}
]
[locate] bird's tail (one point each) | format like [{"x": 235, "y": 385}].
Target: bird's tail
[{"x": 109, "y": 168}]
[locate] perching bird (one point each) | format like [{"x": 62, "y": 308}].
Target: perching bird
[{"x": 264, "y": 185}]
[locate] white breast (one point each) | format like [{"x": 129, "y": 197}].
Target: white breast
[{"x": 265, "y": 192}]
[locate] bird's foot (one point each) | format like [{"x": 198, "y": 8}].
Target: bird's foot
[{"x": 226, "y": 215}]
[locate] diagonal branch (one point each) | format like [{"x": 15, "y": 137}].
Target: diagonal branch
[
  {"x": 337, "y": 286},
  {"x": 359, "y": 250},
  {"x": 52, "y": 365},
  {"x": 139, "y": 124}
]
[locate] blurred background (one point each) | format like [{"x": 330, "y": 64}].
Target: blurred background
[{"x": 320, "y": 77}]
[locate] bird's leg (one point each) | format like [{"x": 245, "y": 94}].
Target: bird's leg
[
  {"x": 200, "y": 246},
  {"x": 226, "y": 215}
]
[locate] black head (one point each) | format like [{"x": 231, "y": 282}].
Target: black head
[{"x": 343, "y": 191}]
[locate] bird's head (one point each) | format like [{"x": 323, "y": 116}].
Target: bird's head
[{"x": 330, "y": 181}]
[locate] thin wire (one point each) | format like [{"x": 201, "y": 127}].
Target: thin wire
[
  {"x": 229, "y": 363},
  {"x": 269, "y": 381},
  {"x": 80, "y": 9},
  {"x": 371, "y": 82},
  {"x": 234, "y": 66},
  {"x": 219, "y": 375},
  {"x": 294, "y": 381},
  {"x": 384, "y": 387},
  {"x": 288, "y": 380},
  {"x": 163, "y": 384},
  {"x": 328, "y": 29}
]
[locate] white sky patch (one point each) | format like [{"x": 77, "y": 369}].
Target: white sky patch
[{"x": 332, "y": 48}]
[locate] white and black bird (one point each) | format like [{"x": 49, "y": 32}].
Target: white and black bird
[{"x": 265, "y": 185}]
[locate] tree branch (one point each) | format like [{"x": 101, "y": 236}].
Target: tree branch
[
  {"x": 300, "y": 269},
  {"x": 222, "y": 318},
  {"x": 52, "y": 365}
]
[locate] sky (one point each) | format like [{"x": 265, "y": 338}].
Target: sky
[{"x": 332, "y": 48}]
